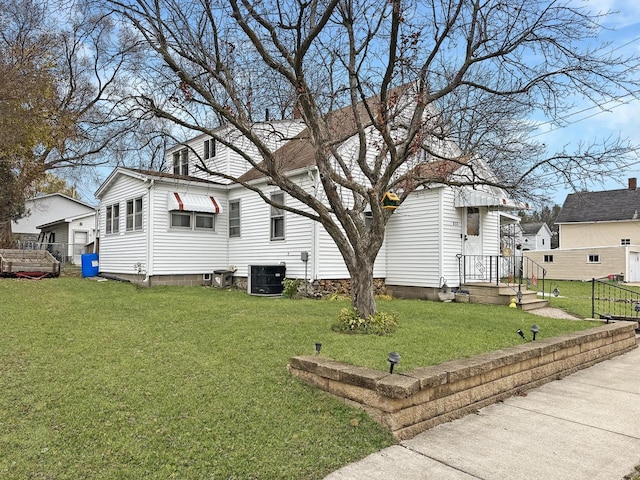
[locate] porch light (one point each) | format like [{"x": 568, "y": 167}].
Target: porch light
[
  {"x": 521, "y": 333},
  {"x": 393, "y": 359},
  {"x": 556, "y": 292},
  {"x": 318, "y": 348},
  {"x": 535, "y": 329}
]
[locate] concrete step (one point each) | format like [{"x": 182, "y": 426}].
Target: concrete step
[
  {"x": 528, "y": 305},
  {"x": 492, "y": 294}
]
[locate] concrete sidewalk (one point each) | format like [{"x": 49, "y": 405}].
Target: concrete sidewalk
[{"x": 585, "y": 426}]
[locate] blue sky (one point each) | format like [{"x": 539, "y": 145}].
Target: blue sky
[
  {"x": 586, "y": 124},
  {"x": 623, "y": 31}
]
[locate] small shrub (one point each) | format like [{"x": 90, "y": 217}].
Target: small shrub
[
  {"x": 381, "y": 323},
  {"x": 337, "y": 297},
  {"x": 384, "y": 297},
  {"x": 290, "y": 287}
]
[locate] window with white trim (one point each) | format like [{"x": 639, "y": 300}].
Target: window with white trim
[
  {"x": 277, "y": 217},
  {"x": 209, "y": 149},
  {"x": 593, "y": 259},
  {"x": 181, "y": 220},
  {"x": 234, "y": 218},
  {"x": 193, "y": 220},
  {"x": 181, "y": 162},
  {"x": 547, "y": 259},
  {"x": 625, "y": 241},
  {"x": 112, "y": 219},
  {"x": 134, "y": 214}
]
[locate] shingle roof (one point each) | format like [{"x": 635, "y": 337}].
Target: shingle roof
[
  {"x": 299, "y": 152},
  {"x": 607, "y": 206},
  {"x": 531, "y": 228},
  {"x": 341, "y": 124}
]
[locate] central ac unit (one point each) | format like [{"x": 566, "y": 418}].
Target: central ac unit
[{"x": 266, "y": 279}]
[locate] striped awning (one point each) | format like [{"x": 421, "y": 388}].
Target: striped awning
[{"x": 190, "y": 202}]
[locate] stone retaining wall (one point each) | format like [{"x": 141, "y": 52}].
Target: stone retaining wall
[{"x": 408, "y": 403}]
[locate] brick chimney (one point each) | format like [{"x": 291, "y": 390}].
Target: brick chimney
[{"x": 633, "y": 183}]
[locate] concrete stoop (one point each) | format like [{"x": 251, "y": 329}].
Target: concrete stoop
[{"x": 492, "y": 294}]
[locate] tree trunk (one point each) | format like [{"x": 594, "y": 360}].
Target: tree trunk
[
  {"x": 5, "y": 232},
  {"x": 362, "y": 295}
]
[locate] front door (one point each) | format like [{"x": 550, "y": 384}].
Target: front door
[{"x": 472, "y": 237}]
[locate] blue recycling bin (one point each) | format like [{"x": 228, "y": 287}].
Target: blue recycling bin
[{"x": 90, "y": 264}]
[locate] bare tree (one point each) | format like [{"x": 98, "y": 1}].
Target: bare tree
[
  {"x": 474, "y": 71},
  {"x": 60, "y": 69}
]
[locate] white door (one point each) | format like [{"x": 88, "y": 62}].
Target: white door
[
  {"x": 80, "y": 239},
  {"x": 476, "y": 268},
  {"x": 472, "y": 236},
  {"x": 634, "y": 267}
]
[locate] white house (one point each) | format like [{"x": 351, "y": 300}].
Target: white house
[
  {"x": 535, "y": 236},
  {"x": 61, "y": 224},
  {"x": 181, "y": 227},
  {"x": 46, "y": 209}
]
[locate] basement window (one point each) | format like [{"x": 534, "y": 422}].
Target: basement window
[
  {"x": 547, "y": 259},
  {"x": 593, "y": 259}
]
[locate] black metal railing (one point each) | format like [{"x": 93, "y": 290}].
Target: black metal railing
[
  {"x": 611, "y": 301},
  {"x": 512, "y": 270}
]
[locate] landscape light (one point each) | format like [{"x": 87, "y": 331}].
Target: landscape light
[
  {"x": 637, "y": 307},
  {"x": 521, "y": 333},
  {"x": 608, "y": 317},
  {"x": 393, "y": 359},
  {"x": 519, "y": 296},
  {"x": 556, "y": 292},
  {"x": 535, "y": 329},
  {"x": 318, "y": 347}
]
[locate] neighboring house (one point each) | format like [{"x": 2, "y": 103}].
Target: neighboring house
[
  {"x": 183, "y": 226},
  {"x": 58, "y": 223},
  {"x": 69, "y": 237},
  {"x": 599, "y": 236},
  {"x": 535, "y": 236},
  {"x": 46, "y": 209}
]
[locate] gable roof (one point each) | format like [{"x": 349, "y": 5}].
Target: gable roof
[
  {"x": 607, "y": 206},
  {"x": 45, "y": 198},
  {"x": 341, "y": 124},
  {"x": 532, "y": 228}
]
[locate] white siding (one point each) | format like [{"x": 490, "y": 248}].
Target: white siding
[
  {"x": 48, "y": 209},
  {"x": 452, "y": 234},
  {"x": 119, "y": 252},
  {"x": 178, "y": 251},
  {"x": 228, "y": 161},
  {"x": 331, "y": 264},
  {"x": 255, "y": 247},
  {"x": 414, "y": 254}
]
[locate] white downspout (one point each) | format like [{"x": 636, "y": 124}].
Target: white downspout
[{"x": 150, "y": 202}]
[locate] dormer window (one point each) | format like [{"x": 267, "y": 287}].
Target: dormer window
[
  {"x": 209, "y": 148},
  {"x": 181, "y": 162}
]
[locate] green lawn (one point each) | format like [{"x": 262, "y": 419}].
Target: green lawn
[
  {"x": 102, "y": 380},
  {"x": 575, "y": 296}
]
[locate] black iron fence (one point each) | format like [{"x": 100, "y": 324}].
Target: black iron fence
[
  {"x": 510, "y": 270},
  {"x": 612, "y": 301}
]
